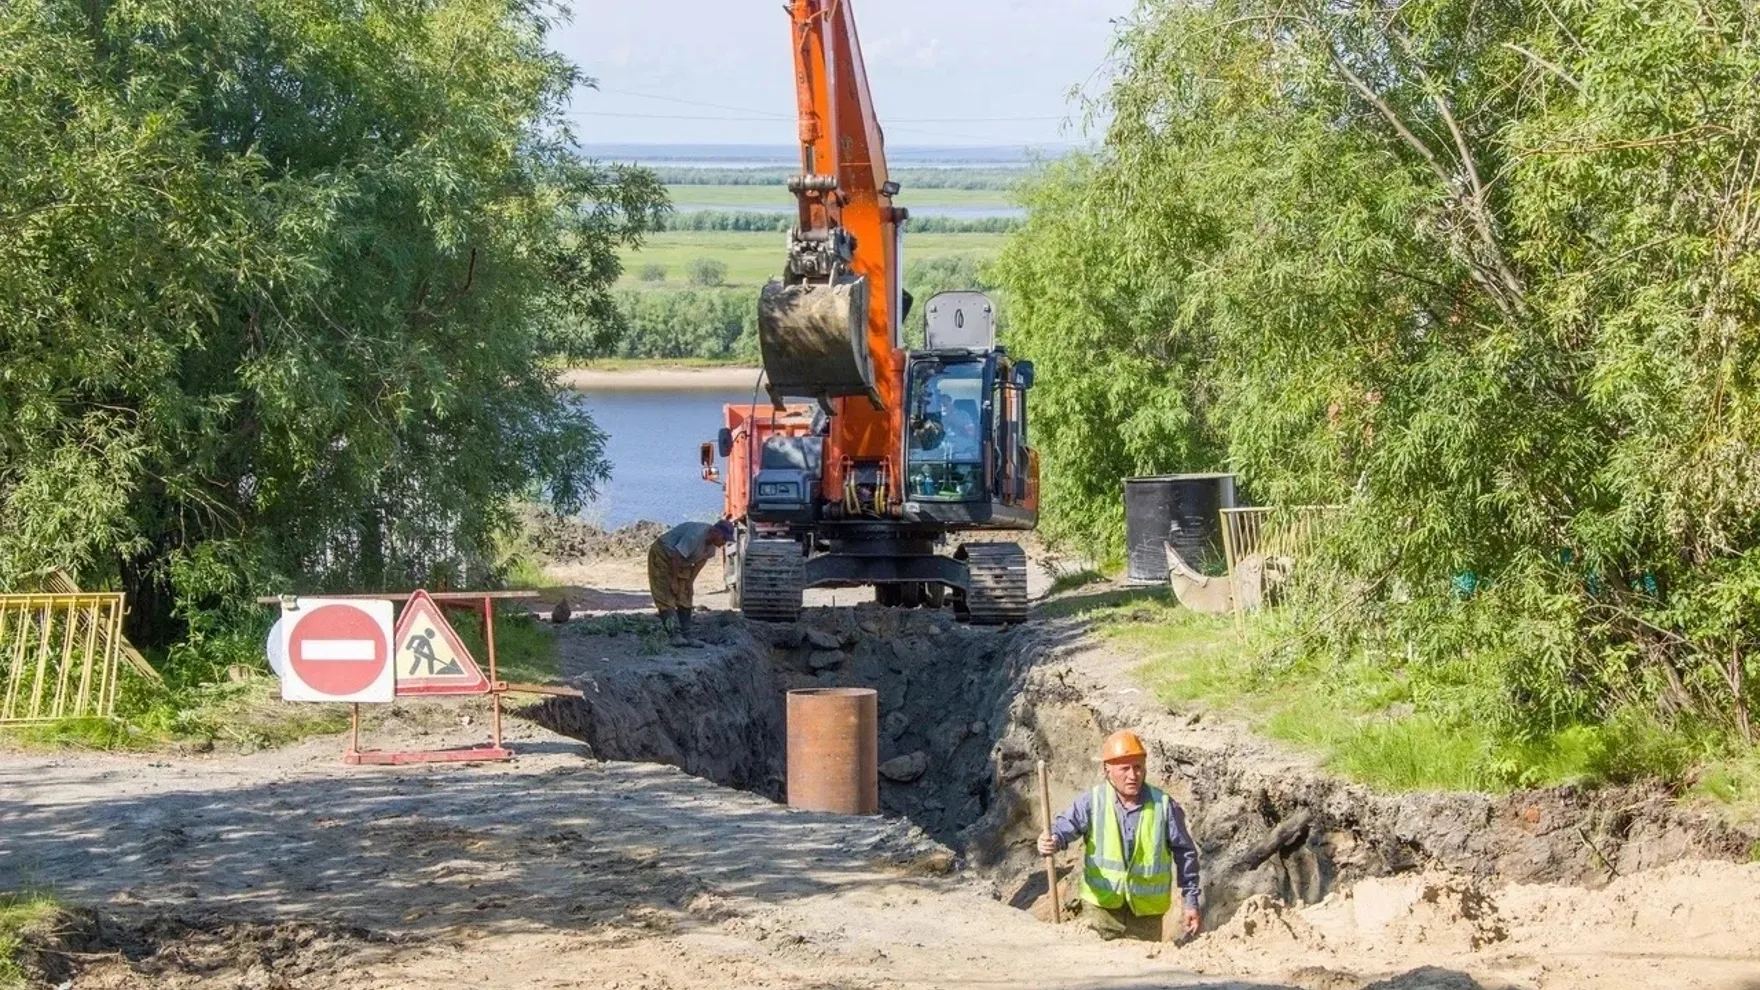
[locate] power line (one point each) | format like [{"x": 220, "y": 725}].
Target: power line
[
  {"x": 691, "y": 103},
  {"x": 969, "y": 120},
  {"x": 886, "y": 126},
  {"x": 775, "y": 115},
  {"x": 668, "y": 116}
]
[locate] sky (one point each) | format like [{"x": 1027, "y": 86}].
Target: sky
[{"x": 934, "y": 67}]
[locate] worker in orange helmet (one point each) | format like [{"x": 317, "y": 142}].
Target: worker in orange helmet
[{"x": 1135, "y": 845}]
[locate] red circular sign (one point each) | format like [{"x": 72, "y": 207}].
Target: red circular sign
[{"x": 337, "y": 650}]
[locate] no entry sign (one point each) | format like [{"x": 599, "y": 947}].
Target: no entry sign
[{"x": 337, "y": 650}]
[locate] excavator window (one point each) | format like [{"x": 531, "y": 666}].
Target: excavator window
[{"x": 945, "y": 450}]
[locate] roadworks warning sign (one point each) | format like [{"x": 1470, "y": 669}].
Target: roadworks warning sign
[{"x": 430, "y": 658}]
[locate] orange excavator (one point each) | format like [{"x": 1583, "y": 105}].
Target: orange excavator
[{"x": 885, "y": 453}]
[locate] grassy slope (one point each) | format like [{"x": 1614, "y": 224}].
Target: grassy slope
[
  {"x": 752, "y": 258},
  {"x": 19, "y": 915},
  {"x": 1375, "y": 728},
  {"x": 776, "y": 197}
]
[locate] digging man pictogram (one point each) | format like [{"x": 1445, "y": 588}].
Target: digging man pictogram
[{"x": 422, "y": 645}]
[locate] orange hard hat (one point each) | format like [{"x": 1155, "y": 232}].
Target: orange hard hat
[{"x": 1122, "y": 745}]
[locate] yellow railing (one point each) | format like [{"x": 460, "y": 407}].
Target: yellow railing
[
  {"x": 59, "y": 655},
  {"x": 1268, "y": 530},
  {"x": 1269, "y": 540},
  {"x": 59, "y": 583}
]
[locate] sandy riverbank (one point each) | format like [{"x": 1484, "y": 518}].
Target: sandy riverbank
[{"x": 641, "y": 379}]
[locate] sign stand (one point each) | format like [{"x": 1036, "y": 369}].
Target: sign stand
[
  {"x": 493, "y": 686},
  {"x": 355, "y": 756}
]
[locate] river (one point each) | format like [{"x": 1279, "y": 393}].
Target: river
[{"x": 652, "y": 443}]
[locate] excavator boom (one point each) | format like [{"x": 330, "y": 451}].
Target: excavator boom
[
  {"x": 868, "y": 455},
  {"x": 829, "y": 327}
]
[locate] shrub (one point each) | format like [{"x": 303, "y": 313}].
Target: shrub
[{"x": 708, "y": 273}]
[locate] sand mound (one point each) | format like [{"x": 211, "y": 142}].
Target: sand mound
[
  {"x": 1688, "y": 902},
  {"x": 1435, "y": 911},
  {"x": 1459, "y": 933}
]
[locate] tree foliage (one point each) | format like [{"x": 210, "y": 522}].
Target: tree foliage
[
  {"x": 925, "y": 277},
  {"x": 706, "y": 272},
  {"x": 277, "y": 283},
  {"x": 717, "y": 324},
  {"x": 1484, "y": 273}
]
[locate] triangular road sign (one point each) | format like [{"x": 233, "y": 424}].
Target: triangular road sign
[{"x": 430, "y": 659}]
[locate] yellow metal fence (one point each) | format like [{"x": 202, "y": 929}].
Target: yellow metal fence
[
  {"x": 1271, "y": 531},
  {"x": 59, "y": 655},
  {"x": 1269, "y": 541}
]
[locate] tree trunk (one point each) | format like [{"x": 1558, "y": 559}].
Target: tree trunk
[
  {"x": 1738, "y": 689},
  {"x": 370, "y": 563},
  {"x": 150, "y": 598}
]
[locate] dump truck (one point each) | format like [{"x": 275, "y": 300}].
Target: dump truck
[{"x": 862, "y": 462}]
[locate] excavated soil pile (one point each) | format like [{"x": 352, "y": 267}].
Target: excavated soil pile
[
  {"x": 966, "y": 714},
  {"x": 101, "y": 951},
  {"x": 565, "y": 540}
]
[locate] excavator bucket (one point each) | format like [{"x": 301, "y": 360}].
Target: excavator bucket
[{"x": 814, "y": 340}]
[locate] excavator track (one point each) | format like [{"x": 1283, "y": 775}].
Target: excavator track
[
  {"x": 772, "y": 580},
  {"x": 997, "y": 594}
]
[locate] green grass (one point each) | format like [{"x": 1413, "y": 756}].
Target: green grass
[
  {"x": 649, "y": 635},
  {"x": 525, "y": 573},
  {"x": 1381, "y": 728},
  {"x": 525, "y": 652},
  {"x": 753, "y": 258},
  {"x": 1071, "y": 580},
  {"x": 1098, "y": 603},
  {"x": 250, "y": 715},
  {"x": 20, "y": 915},
  {"x": 1734, "y": 785},
  {"x": 777, "y": 197},
  {"x": 102, "y": 734}
]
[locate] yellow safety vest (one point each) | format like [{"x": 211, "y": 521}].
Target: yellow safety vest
[{"x": 1141, "y": 881}]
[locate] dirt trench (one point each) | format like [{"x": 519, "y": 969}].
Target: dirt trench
[
  {"x": 966, "y": 713},
  {"x": 718, "y": 713}
]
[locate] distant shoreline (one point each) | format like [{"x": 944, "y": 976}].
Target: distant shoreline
[{"x": 640, "y": 378}]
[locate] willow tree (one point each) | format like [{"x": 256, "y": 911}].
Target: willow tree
[
  {"x": 278, "y": 285},
  {"x": 1483, "y": 272}
]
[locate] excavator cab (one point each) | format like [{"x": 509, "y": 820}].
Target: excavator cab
[
  {"x": 966, "y": 457},
  {"x": 944, "y": 451}
]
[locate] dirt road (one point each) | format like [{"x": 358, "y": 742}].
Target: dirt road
[
  {"x": 287, "y": 870},
  {"x": 552, "y": 872}
]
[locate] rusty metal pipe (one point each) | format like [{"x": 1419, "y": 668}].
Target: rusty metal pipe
[{"x": 833, "y": 748}]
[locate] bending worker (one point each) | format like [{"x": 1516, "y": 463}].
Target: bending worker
[
  {"x": 1134, "y": 841},
  {"x": 674, "y": 561}
]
